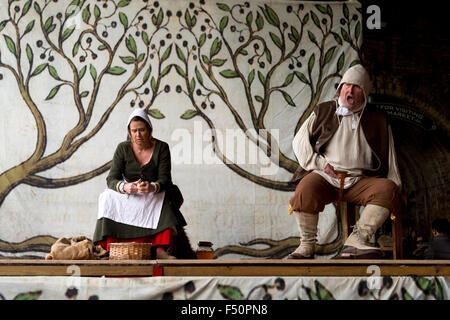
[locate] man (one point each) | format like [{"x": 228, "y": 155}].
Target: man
[
  {"x": 343, "y": 136},
  {"x": 439, "y": 248}
]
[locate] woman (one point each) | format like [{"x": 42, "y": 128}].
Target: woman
[{"x": 137, "y": 205}]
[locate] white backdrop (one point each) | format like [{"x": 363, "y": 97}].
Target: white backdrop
[{"x": 256, "y": 64}]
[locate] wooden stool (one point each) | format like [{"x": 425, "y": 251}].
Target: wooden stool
[{"x": 348, "y": 212}]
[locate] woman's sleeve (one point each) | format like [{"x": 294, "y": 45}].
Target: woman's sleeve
[
  {"x": 115, "y": 176},
  {"x": 164, "y": 167}
]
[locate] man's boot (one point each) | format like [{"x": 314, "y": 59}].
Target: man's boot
[
  {"x": 357, "y": 245},
  {"x": 307, "y": 225}
]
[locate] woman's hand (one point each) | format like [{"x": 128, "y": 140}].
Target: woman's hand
[
  {"x": 131, "y": 187},
  {"x": 146, "y": 187}
]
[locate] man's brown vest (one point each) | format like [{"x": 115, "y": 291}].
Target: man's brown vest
[{"x": 375, "y": 128}]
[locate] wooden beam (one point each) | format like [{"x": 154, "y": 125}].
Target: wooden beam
[{"x": 218, "y": 267}]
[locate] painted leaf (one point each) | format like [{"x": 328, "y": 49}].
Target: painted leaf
[
  {"x": 329, "y": 10},
  {"x": 322, "y": 292},
  {"x": 329, "y": 55},
  {"x": 311, "y": 62},
  {"x": 354, "y": 63},
  {"x": 160, "y": 17},
  {"x": 153, "y": 84},
  {"x": 37, "y": 7},
  {"x": 84, "y": 94},
  {"x": 268, "y": 55},
  {"x": 261, "y": 78},
  {"x": 202, "y": 39},
  {"x": 39, "y": 69},
  {"x": 131, "y": 44},
  {"x": 305, "y": 19},
  {"x": 192, "y": 85},
  {"x": 215, "y": 47},
  {"x": 259, "y": 98},
  {"x": 166, "y": 70},
  {"x": 28, "y": 28},
  {"x": 82, "y": 73},
  {"x": 86, "y": 15},
  {"x": 93, "y": 72},
  {"x": 29, "y": 53},
  {"x": 218, "y": 62},
  {"x": 345, "y": 35},
  {"x": 229, "y": 74},
  {"x": 312, "y": 37},
  {"x": 123, "y": 19},
  {"x": 205, "y": 59},
  {"x": 141, "y": 57},
  {"x": 276, "y": 40},
  {"x": 26, "y": 8},
  {"x": 406, "y": 295},
  {"x": 436, "y": 290},
  {"x": 321, "y": 8},
  {"x": 357, "y": 30},
  {"x": 341, "y": 61},
  {"x": 288, "y": 98},
  {"x": 30, "y": 295},
  {"x": 310, "y": 293},
  {"x": 67, "y": 33},
  {"x": 189, "y": 114},
  {"x": 48, "y": 23},
  {"x": 230, "y": 292},
  {"x": 345, "y": 11},
  {"x": 53, "y": 72},
  {"x": 424, "y": 284},
  {"x": 223, "y": 23},
  {"x": 249, "y": 18},
  {"x": 155, "y": 113},
  {"x": 259, "y": 21},
  {"x": 337, "y": 38},
  {"x": 271, "y": 16},
  {"x": 315, "y": 19},
  {"x": 288, "y": 79},
  {"x": 116, "y": 70},
  {"x": 251, "y": 77},
  {"x": 124, "y": 3},
  {"x": 147, "y": 74},
  {"x": 10, "y": 44},
  {"x": 145, "y": 38},
  {"x": 180, "y": 70},
  {"x": 301, "y": 77},
  {"x": 187, "y": 18},
  {"x": 198, "y": 75},
  {"x": 96, "y": 12},
  {"x": 75, "y": 49},
  {"x": 53, "y": 92},
  {"x": 3, "y": 24},
  {"x": 166, "y": 53},
  {"x": 295, "y": 33},
  {"x": 223, "y": 6},
  {"x": 128, "y": 59}
]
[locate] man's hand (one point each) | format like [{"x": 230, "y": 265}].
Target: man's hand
[{"x": 329, "y": 170}]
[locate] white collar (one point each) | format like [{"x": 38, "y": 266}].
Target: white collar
[{"x": 344, "y": 111}]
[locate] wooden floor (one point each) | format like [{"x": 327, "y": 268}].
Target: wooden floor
[{"x": 220, "y": 267}]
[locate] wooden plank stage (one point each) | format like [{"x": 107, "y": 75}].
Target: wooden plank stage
[{"x": 220, "y": 267}]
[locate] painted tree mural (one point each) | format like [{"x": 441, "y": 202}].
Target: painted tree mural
[{"x": 272, "y": 54}]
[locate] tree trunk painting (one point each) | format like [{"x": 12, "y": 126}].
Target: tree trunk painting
[{"x": 275, "y": 57}]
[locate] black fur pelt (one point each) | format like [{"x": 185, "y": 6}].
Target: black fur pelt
[{"x": 182, "y": 248}]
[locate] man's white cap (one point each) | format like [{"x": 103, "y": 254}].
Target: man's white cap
[
  {"x": 141, "y": 113},
  {"x": 359, "y": 76}
]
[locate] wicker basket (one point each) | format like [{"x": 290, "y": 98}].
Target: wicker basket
[{"x": 129, "y": 251}]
